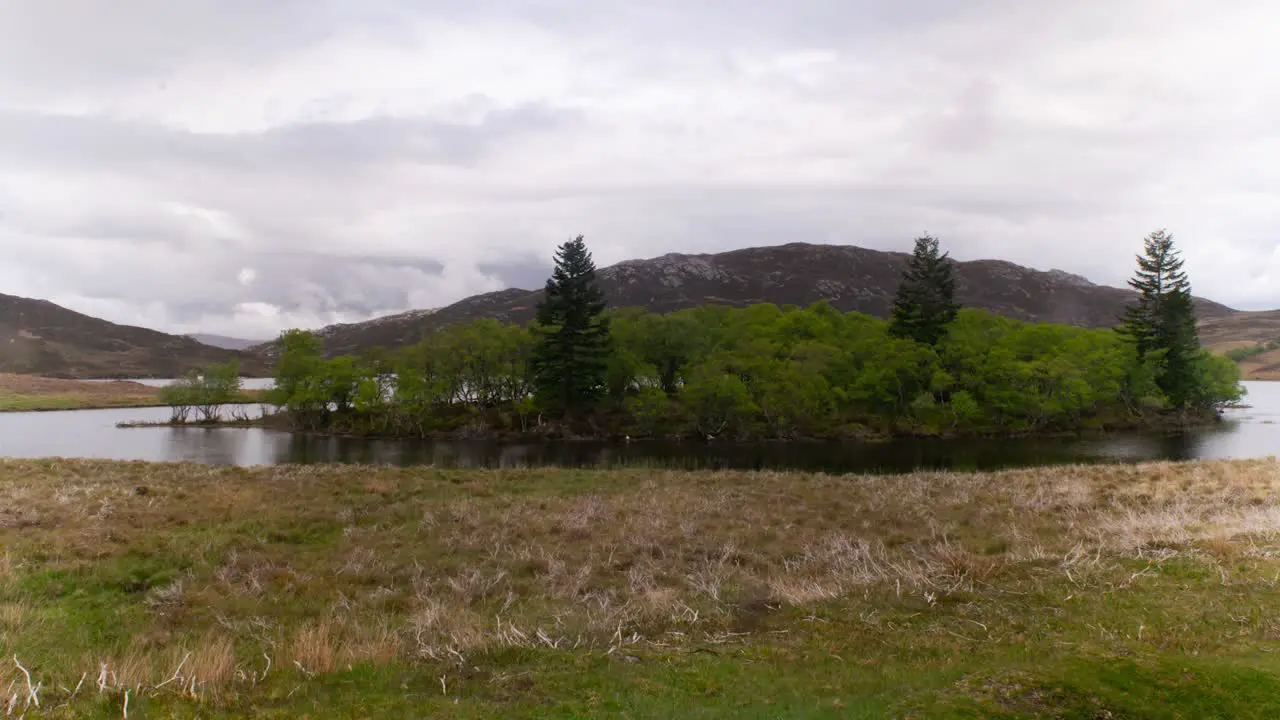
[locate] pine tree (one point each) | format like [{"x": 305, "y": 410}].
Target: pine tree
[
  {"x": 569, "y": 360},
  {"x": 925, "y": 300},
  {"x": 1163, "y": 319}
]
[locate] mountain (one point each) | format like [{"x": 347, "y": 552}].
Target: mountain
[
  {"x": 850, "y": 278},
  {"x": 224, "y": 342},
  {"x": 39, "y": 337}
]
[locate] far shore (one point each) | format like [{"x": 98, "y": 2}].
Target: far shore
[{"x": 33, "y": 393}]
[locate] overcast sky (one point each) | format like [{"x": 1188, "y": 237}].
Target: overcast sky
[{"x": 243, "y": 166}]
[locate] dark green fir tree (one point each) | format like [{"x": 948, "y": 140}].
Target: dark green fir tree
[
  {"x": 570, "y": 358},
  {"x": 925, "y": 300},
  {"x": 1163, "y": 319}
]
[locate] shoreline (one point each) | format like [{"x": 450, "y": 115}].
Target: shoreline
[
  {"x": 143, "y": 405},
  {"x": 86, "y": 407},
  {"x": 11, "y": 403},
  {"x": 870, "y": 437}
]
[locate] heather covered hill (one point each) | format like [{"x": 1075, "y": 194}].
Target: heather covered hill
[
  {"x": 40, "y": 338},
  {"x": 850, "y": 278}
]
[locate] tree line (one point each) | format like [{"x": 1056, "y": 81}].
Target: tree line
[
  {"x": 201, "y": 396},
  {"x": 768, "y": 371}
]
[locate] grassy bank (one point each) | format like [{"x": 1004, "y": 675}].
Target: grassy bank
[
  {"x": 25, "y": 393},
  {"x": 323, "y": 591},
  {"x": 30, "y": 392}
]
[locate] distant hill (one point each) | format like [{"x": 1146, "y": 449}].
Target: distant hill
[
  {"x": 851, "y": 278},
  {"x": 224, "y": 342},
  {"x": 39, "y": 337},
  {"x": 1246, "y": 330}
]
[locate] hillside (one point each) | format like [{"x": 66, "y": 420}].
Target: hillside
[
  {"x": 851, "y": 278},
  {"x": 1246, "y": 330},
  {"x": 39, "y": 337}
]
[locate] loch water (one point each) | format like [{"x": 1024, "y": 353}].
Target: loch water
[{"x": 1248, "y": 432}]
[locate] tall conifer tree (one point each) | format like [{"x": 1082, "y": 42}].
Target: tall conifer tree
[
  {"x": 1163, "y": 319},
  {"x": 925, "y": 300},
  {"x": 570, "y": 358}
]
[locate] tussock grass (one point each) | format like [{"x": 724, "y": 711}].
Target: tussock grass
[{"x": 232, "y": 587}]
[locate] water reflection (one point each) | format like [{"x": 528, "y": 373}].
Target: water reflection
[{"x": 1251, "y": 432}]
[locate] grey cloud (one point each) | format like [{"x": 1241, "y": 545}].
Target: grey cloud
[
  {"x": 389, "y": 177},
  {"x": 316, "y": 284},
  {"x": 530, "y": 274},
  {"x": 43, "y": 139},
  {"x": 62, "y": 45}
]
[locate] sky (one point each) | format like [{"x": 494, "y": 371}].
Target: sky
[{"x": 242, "y": 167}]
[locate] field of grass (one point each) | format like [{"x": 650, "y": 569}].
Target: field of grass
[
  {"x": 32, "y": 392},
  {"x": 341, "y": 591}
]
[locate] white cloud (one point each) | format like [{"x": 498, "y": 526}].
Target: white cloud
[{"x": 354, "y": 158}]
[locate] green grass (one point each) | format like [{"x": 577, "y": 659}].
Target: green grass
[
  {"x": 11, "y": 402},
  {"x": 23, "y": 402},
  {"x": 1075, "y": 592}
]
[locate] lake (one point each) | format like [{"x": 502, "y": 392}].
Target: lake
[{"x": 1245, "y": 433}]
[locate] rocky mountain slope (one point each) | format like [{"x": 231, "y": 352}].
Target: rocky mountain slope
[
  {"x": 39, "y": 337},
  {"x": 851, "y": 278}
]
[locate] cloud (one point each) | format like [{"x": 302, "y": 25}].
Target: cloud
[{"x": 240, "y": 167}]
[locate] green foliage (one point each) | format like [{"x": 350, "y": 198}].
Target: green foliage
[
  {"x": 667, "y": 343},
  {"x": 924, "y": 303},
  {"x": 205, "y": 393},
  {"x": 297, "y": 370},
  {"x": 570, "y": 359},
  {"x": 623, "y": 370},
  {"x": 1244, "y": 353},
  {"x": 760, "y": 371},
  {"x": 964, "y": 408},
  {"x": 650, "y": 409},
  {"x": 180, "y": 396},
  {"x": 1163, "y": 320},
  {"x": 715, "y": 400},
  {"x": 1217, "y": 380}
]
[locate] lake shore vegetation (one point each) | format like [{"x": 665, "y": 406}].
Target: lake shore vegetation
[
  {"x": 177, "y": 590},
  {"x": 766, "y": 371}
]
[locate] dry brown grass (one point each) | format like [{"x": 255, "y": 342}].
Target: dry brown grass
[
  {"x": 23, "y": 392},
  {"x": 312, "y": 648},
  {"x": 1264, "y": 366},
  {"x": 36, "y": 385},
  {"x": 32, "y": 392},
  {"x": 210, "y": 664},
  {"x": 13, "y": 615},
  {"x": 1251, "y": 327},
  {"x": 327, "y": 567}
]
